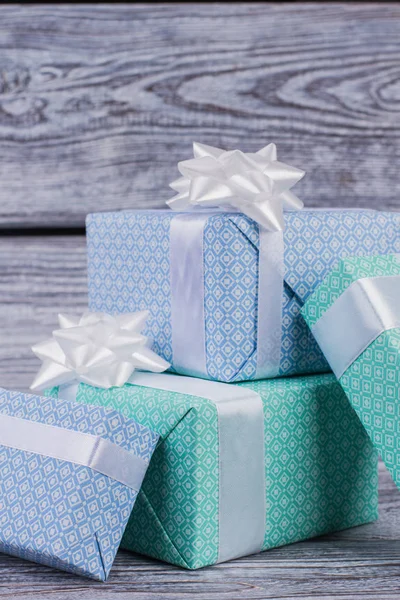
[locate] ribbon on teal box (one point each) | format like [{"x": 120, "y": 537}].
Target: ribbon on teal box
[{"x": 355, "y": 317}]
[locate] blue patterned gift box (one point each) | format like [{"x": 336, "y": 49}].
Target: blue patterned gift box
[
  {"x": 57, "y": 512},
  {"x": 129, "y": 262}
]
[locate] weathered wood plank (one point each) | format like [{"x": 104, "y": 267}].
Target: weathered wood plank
[
  {"x": 98, "y": 103},
  {"x": 355, "y": 564},
  {"x": 39, "y": 277}
]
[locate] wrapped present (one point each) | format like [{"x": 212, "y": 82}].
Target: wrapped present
[
  {"x": 224, "y": 293},
  {"x": 242, "y": 468},
  {"x": 70, "y": 475},
  {"x": 355, "y": 317}
]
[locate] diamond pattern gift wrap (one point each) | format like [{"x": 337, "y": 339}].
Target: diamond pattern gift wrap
[
  {"x": 131, "y": 264},
  {"x": 317, "y": 473},
  {"x": 59, "y": 512},
  {"x": 371, "y": 376}
]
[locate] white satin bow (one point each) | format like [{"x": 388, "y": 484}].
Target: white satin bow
[
  {"x": 254, "y": 184},
  {"x": 97, "y": 349}
]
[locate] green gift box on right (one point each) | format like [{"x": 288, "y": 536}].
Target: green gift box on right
[{"x": 355, "y": 317}]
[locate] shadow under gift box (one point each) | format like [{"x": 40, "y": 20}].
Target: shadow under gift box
[
  {"x": 225, "y": 300},
  {"x": 226, "y": 480},
  {"x": 65, "y": 502}
]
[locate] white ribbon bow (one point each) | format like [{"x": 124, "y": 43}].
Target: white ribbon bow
[
  {"x": 97, "y": 349},
  {"x": 254, "y": 184}
]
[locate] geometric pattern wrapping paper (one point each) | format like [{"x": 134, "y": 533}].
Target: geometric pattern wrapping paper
[
  {"x": 129, "y": 270},
  {"x": 320, "y": 467},
  {"x": 372, "y": 381},
  {"x": 59, "y": 513}
]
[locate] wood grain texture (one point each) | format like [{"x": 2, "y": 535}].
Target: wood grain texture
[
  {"x": 98, "y": 103},
  {"x": 363, "y": 562},
  {"x": 39, "y": 277}
]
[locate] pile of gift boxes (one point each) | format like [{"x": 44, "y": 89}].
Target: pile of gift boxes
[{"x": 227, "y": 391}]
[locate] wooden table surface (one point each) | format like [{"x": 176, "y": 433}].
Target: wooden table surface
[{"x": 97, "y": 105}]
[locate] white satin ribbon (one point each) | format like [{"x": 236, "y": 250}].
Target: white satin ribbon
[
  {"x": 269, "y": 306},
  {"x": 98, "y": 349},
  {"x": 187, "y": 297},
  {"x": 242, "y": 487},
  {"x": 76, "y": 447},
  {"x": 367, "y": 308},
  {"x": 255, "y": 184},
  {"x": 187, "y": 294}
]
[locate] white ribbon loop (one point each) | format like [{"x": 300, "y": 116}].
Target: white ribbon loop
[
  {"x": 97, "y": 349},
  {"x": 256, "y": 184}
]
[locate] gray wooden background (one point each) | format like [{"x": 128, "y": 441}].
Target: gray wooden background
[{"x": 97, "y": 105}]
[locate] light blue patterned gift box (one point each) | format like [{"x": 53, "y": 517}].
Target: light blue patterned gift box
[
  {"x": 58, "y": 512},
  {"x": 129, "y": 262}
]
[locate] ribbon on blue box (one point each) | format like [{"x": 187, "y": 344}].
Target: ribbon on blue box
[
  {"x": 70, "y": 478},
  {"x": 187, "y": 297},
  {"x": 257, "y": 185}
]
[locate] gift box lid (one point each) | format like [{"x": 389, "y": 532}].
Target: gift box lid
[
  {"x": 355, "y": 317},
  {"x": 69, "y": 477}
]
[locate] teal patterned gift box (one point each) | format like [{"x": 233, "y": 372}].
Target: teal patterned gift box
[
  {"x": 226, "y": 480},
  {"x": 355, "y": 317}
]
